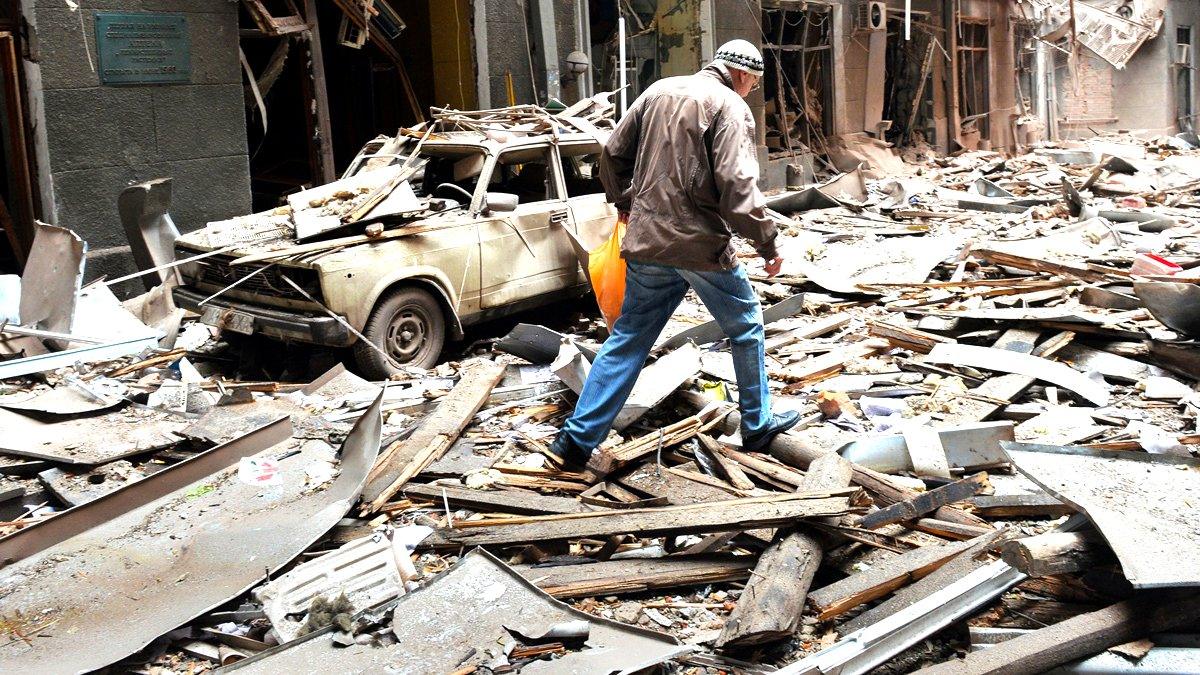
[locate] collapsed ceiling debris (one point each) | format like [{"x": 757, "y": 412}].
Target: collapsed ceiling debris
[{"x": 941, "y": 333}]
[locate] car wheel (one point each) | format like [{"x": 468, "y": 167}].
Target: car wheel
[{"x": 408, "y": 326}]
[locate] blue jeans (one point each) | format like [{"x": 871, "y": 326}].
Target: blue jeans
[{"x": 652, "y": 292}]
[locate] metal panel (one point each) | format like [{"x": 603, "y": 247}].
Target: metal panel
[
  {"x": 108, "y": 592},
  {"x": 1143, "y": 504},
  {"x": 143, "y": 48},
  {"x": 459, "y": 617}
]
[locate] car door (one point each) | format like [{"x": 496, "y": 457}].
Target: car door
[
  {"x": 525, "y": 253},
  {"x": 592, "y": 217}
]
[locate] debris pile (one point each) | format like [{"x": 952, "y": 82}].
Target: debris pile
[{"x": 995, "y": 360}]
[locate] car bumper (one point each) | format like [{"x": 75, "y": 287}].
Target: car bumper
[{"x": 281, "y": 324}]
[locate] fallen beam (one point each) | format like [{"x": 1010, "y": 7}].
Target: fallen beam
[
  {"x": 956, "y": 568},
  {"x": 732, "y": 515},
  {"x": 858, "y": 589},
  {"x": 927, "y": 502},
  {"x": 438, "y": 431},
  {"x": 617, "y": 577},
  {"x": 770, "y": 607},
  {"x": 1055, "y": 553},
  {"x": 506, "y": 501},
  {"x": 1077, "y": 637}
]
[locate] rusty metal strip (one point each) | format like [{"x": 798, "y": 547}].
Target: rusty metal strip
[{"x": 35, "y": 538}]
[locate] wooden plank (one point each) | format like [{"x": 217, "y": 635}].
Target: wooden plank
[
  {"x": 505, "y": 501},
  {"x": 905, "y": 337},
  {"x": 770, "y": 607},
  {"x": 947, "y": 530},
  {"x": 776, "y": 471},
  {"x": 316, "y": 65},
  {"x": 825, "y": 365},
  {"x": 438, "y": 431},
  {"x": 616, "y": 577},
  {"x": 730, "y": 469},
  {"x": 925, "y": 451},
  {"x": 1055, "y": 553},
  {"x": 876, "y": 582},
  {"x": 732, "y": 515},
  {"x": 1020, "y": 506},
  {"x": 927, "y": 502},
  {"x": 1035, "y": 265},
  {"x": 650, "y": 480},
  {"x": 1075, "y": 638},
  {"x": 958, "y": 567}
]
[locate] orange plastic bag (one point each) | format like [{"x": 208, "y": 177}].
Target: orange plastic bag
[{"x": 606, "y": 268}]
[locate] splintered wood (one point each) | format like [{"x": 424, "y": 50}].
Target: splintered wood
[{"x": 405, "y": 459}]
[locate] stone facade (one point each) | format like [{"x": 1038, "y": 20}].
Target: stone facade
[{"x": 92, "y": 140}]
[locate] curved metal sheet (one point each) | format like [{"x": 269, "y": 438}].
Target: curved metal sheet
[{"x": 104, "y": 594}]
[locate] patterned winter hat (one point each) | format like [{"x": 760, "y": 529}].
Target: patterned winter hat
[{"x": 741, "y": 55}]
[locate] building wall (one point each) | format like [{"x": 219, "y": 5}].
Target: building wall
[
  {"x": 1144, "y": 92},
  {"x": 1086, "y": 100},
  {"x": 92, "y": 140},
  {"x": 504, "y": 43},
  {"x": 1140, "y": 98}
]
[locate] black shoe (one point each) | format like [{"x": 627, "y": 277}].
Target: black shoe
[
  {"x": 778, "y": 424},
  {"x": 574, "y": 458}
]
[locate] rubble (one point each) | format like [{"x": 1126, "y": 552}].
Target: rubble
[{"x": 942, "y": 334}]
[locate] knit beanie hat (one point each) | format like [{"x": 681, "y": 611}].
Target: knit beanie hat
[{"x": 742, "y": 55}]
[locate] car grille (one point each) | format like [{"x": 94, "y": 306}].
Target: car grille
[{"x": 217, "y": 272}]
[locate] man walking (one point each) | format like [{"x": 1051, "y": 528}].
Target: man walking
[{"x": 681, "y": 167}]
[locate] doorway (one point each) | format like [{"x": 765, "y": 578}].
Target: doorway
[
  {"x": 17, "y": 211},
  {"x": 1185, "y": 68},
  {"x": 908, "y": 83},
  {"x": 973, "y": 82}
]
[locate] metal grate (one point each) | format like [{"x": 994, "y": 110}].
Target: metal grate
[{"x": 216, "y": 271}]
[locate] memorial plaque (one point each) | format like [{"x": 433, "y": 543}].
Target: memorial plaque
[{"x": 143, "y": 48}]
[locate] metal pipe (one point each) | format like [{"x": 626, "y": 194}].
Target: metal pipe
[{"x": 621, "y": 64}]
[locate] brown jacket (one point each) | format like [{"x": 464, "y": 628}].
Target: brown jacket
[{"x": 682, "y": 164}]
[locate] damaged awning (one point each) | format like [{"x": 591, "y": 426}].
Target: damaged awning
[{"x": 1113, "y": 29}]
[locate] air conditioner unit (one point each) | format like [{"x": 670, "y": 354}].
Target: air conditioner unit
[
  {"x": 1183, "y": 55},
  {"x": 870, "y": 16}
]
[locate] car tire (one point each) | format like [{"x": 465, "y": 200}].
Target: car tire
[{"x": 409, "y": 326}]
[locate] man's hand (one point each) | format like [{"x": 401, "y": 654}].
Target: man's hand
[{"x": 773, "y": 265}]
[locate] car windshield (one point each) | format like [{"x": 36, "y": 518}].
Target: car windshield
[{"x": 454, "y": 165}]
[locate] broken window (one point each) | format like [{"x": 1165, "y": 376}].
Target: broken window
[
  {"x": 450, "y": 171},
  {"x": 526, "y": 173},
  {"x": 797, "y": 88},
  {"x": 581, "y": 168}
]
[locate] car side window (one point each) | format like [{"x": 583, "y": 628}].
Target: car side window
[
  {"x": 581, "y": 169},
  {"x": 527, "y": 173}
]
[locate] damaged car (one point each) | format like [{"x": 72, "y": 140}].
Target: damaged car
[{"x": 426, "y": 234}]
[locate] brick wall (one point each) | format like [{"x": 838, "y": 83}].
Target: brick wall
[{"x": 1088, "y": 96}]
